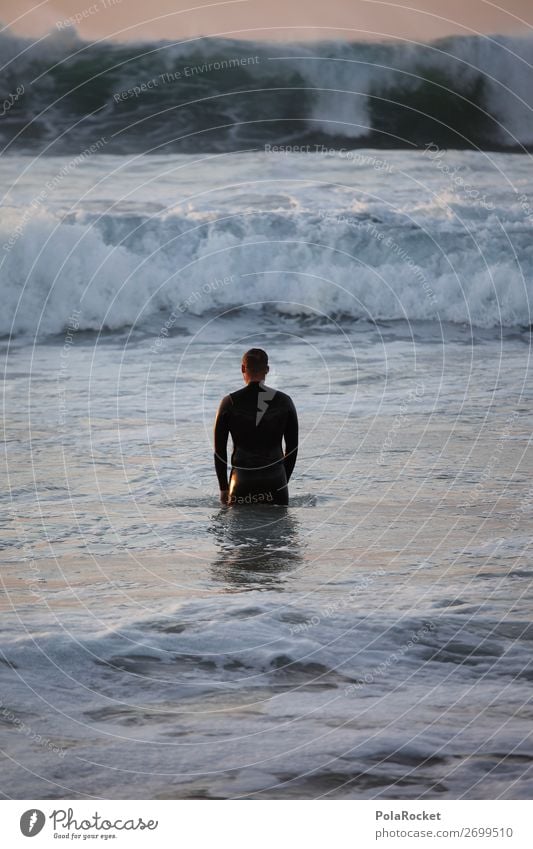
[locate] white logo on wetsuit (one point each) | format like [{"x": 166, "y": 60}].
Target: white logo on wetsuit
[{"x": 264, "y": 397}]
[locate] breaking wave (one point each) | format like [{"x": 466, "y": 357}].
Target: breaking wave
[
  {"x": 217, "y": 94},
  {"x": 124, "y": 270}
]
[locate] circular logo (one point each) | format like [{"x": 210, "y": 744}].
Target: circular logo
[{"x": 32, "y": 822}]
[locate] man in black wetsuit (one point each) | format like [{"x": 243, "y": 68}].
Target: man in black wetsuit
[{"x": 258, "y": 418}]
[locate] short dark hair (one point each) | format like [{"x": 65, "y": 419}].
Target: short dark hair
[{"x": 255, "y": 360}]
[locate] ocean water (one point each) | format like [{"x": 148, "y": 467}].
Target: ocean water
[
  {"x": 374, "y": 639},
  {"x": 222, "y": 94}
]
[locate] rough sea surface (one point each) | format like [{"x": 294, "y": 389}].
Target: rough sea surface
[{"x": 374, "y": 639}]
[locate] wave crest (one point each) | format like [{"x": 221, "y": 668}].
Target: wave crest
[
  {"x": 120, "y": 270},
  {"x": 217, "y": 94}
]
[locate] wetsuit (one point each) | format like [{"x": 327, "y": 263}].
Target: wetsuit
[{"x": 258, "y": 418}]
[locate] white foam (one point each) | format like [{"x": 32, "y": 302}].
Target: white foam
[{"x": 303, "y": 265}]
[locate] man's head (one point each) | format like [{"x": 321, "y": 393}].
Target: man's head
[{"x": 254, "y": 365}]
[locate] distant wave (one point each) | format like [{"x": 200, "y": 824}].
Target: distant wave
[{"x": 217, "y": 95}]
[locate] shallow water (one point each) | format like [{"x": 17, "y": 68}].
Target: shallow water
[{"x": 373, "y": 640}]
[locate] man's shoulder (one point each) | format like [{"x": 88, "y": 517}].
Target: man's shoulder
[
  {"x": 281, "y": 400},
  {"x": 237, "y": 394},
  {"x": 226, "y": 402},
  {"x": 283, "y": 397}
]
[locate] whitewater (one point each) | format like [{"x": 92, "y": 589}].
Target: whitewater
[
  {"x": 374, "y": 639},
  {"x": 441, "y": 236}
]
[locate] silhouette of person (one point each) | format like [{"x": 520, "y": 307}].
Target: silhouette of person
[{"x": 258, "y": 419}]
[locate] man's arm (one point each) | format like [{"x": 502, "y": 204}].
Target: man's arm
[
  {"x": 221, "y": 446},
  {"x": 291, "y": 440}
]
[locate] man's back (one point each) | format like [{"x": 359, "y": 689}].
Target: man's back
[{"x": 258, "y": 418}]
